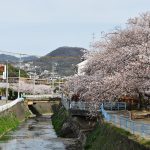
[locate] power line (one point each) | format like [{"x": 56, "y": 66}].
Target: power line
[{"x": 17, "y": 53}]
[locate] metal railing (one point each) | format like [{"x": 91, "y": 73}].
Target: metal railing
[
  {"x": 114, "y": 105},
  {"x": 83, "y": 105},
  {"x": 80, "y": 105},
  {"x": 134, "y": 127},
  {"x": 10, "y": 104}
]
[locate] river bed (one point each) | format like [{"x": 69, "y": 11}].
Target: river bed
[{"x": 34, "y": 134}]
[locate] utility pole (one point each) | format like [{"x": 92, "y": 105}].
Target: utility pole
[
  {"x": 19, "y": 77},
  {"x": 59, "y": 83},
  {"x": 93, "y": 40},
  {"x": 34, "y": 83},
  {"x": 93, "y": 37},
  {"x": 53, "y": 85},
  {"x": 53, "y": 75},
  {"x": 7, "y": 82}
]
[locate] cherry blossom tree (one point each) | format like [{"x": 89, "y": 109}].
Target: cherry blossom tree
[
  {"x": 31, "y": 89},
  {"x": 119, "y": 66}
]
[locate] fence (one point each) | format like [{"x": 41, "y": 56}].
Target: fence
[
  {"x": 127, "y": 124},
  {"x": 10, "y": 104}
]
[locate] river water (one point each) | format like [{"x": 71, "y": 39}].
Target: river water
[{"x": 34, "y": 134}]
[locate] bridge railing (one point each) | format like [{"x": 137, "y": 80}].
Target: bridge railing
[
  {"x": 134, "y": 127},
  {"x": 10, "y": 104},
  {"x": 43, "y": 96}
]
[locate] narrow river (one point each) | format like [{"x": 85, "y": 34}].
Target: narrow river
[{"x": 35, "y": 134}]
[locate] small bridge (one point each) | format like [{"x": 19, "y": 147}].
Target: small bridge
[
  {"x": 40, "y": 97},
  {"x": 31, "y": 99},
  {"x": 41, "y": 104}
]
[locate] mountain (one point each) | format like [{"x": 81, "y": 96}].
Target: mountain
[
  {"x": 67, "y": 52},
  {"x": 10, "y": 58},
  {"x": 63, "y": 58},
  {"x": 29, "y": 58},
  {"x": 14, "y": 59}
]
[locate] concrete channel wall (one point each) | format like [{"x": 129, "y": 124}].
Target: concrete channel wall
[
  {"x": 10, "y": 104},
  {"x": 16, "y": 107}
]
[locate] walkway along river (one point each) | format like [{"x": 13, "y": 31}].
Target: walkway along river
[{"x": 34, "y": 134}]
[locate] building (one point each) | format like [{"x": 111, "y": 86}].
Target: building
[{"x": 81, "y": 66}]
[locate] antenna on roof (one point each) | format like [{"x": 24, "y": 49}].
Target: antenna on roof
[
  {"x": 93, "y": 37},
  {"x": 93, "y": 40}
]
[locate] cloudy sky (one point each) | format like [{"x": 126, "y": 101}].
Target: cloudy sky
[{"x": 40, "y": 26}]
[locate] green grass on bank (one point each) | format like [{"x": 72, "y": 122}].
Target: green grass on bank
[
  {"x": 108, "y": 137},
  {"x": 27, "y": 114},
  {"x": 58, "y": 119},
  {"x": 7, "y": 123}
]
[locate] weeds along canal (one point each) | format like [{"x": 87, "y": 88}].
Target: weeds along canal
[{"x": 34, "y": 134}]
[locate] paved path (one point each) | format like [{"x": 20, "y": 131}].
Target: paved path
[
  {"x": 126, "y": 114},
  {"x": 146, "y": 120},
  {"x": 3, "y": 102}
]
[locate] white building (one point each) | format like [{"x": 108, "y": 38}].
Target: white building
[{"x": 81, "y": 66}]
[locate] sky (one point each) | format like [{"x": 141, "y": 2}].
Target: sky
[{"x": 36, "y": 27}]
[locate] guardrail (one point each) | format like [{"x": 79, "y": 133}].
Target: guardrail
[
  {"x": 127, "y": 124},
  {"x": 10, "y": 104}
]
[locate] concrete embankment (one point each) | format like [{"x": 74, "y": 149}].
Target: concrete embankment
[
  {"x": 91, "y": 134},
  {"x": 10, "y": 118}
]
